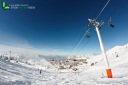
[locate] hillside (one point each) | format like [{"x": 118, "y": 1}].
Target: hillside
[{"x": 24, "y": 74}]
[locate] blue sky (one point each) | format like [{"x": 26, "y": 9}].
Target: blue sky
[{"x": 59, "y": 25}]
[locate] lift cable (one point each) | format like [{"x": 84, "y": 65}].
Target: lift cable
[
  {"x": 80, "y": 41},
  {"x": 102, "y": 9},
  {"x": 88, "y": 40}
]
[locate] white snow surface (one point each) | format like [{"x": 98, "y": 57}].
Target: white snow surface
[{"x": 12, "y": 73}]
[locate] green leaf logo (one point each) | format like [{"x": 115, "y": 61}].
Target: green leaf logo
[{"x": 4, "y": 6}]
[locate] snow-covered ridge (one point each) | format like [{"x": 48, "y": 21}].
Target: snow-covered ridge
[
  {"x": 117, "y": 49},
  {"x": 113, "y": 51}
]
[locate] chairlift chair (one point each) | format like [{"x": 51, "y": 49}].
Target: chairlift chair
[
  {"x": 109, "y": 23},
  {"x": 87, "y": 36}
]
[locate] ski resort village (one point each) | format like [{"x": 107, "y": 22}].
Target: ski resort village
[{"x": 64, "y": 42}]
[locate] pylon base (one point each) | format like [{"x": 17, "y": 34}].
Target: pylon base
[{"x": 109, "y": 73}]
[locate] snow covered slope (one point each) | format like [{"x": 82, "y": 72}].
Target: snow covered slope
[{"x": 22, "y": 74}]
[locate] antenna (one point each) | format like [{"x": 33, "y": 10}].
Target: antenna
[{"x": 10, "y": 55}]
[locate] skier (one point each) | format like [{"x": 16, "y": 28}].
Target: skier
[{"x": 40, "y": 71}]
